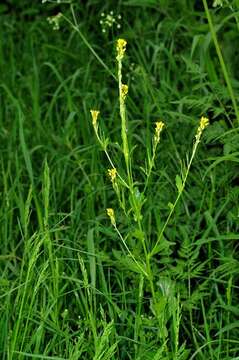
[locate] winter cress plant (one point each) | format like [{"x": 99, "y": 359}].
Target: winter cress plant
[
  {"x": 125, "y": 185},
  {"x": 129, "y": 253},
  {"x": 132, "y": 196}
]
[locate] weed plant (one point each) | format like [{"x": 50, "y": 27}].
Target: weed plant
[{"x": 119, "y": 204}]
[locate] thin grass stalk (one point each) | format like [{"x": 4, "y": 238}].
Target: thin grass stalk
[{"x": 221, "y": 60}]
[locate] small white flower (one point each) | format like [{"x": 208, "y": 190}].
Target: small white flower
[{"x": 109, "y": 20}]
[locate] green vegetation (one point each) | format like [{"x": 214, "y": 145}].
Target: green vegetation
[{"x": 119, "y": 203}]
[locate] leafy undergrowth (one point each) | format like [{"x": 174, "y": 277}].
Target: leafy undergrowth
[{"x": 75, "y": 285}]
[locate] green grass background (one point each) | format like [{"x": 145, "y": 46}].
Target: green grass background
[{"x": 68, "y": 290}]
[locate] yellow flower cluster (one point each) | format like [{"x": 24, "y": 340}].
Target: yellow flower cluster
[
  {"x": 110, "y": 212},
  {"x": 94, "y": 114},
  {"x": 204, "y": 122},
  {"x": 159, "y": 125},
  {"x": 121, "y": 48},
  {"x": 124, "y": 91},
  {"x": 112, "y": 174}
]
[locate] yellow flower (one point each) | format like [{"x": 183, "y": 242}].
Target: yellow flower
[
  {"x": 121, "y": 48},
  {"x": 124, "y": 91},
  {"x": 159, "y": 125},
  {"x": 110, "y": 212},
  {"x": 204, "y": 122},
  {"x": 94, "y": 114},
  {"x": 112, "y": 174}
]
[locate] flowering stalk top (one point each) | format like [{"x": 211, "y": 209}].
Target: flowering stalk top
[
  {"x": 124, "y": 91},
  {"x": 112, "y": 174},
  {"x": 110, "y": 212},
  {"x": 121, "y": 48},
  {"x": 204, "y": 122},
  {"x": 94, "y": 114},
  {"x": 159, "y": 125}
]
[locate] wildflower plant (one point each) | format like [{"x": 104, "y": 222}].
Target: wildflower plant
[
  {"x": 127, "y": 184},
  {"x": 132, "y": 257},
  {"x": 132, "y": 196}
]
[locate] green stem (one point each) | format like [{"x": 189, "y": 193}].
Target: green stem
[
  {"x": 148, "y": 265},
  {"x": 177, "y": 198},
  {"x": 130, "y": 178},
  {"x": 108, "y": 157},
  {"x": 151, "y": 165},
  {"x": 123, "y": 122}
]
